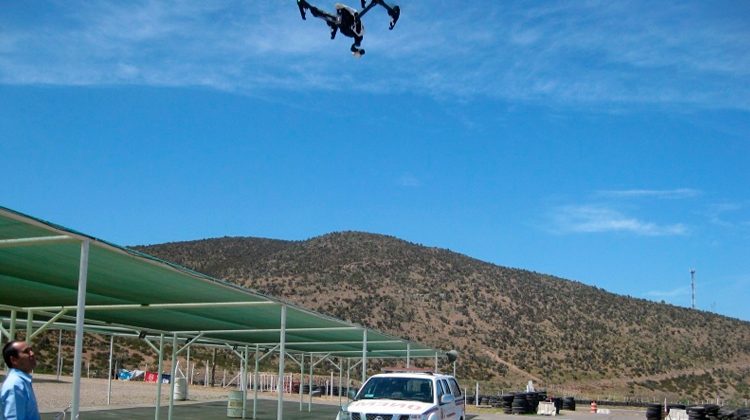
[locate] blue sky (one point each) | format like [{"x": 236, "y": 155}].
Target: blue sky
[{"x": 604, "y": 142}]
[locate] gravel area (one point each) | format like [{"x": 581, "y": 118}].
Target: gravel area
[{"x": 52, "y": 395}]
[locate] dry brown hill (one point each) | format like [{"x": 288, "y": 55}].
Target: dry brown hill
[{"x": 509, "y": 325}]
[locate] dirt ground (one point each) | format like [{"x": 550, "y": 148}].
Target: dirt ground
[
  {"x": 607, "y": 414},
  {"x": 53, "y": 395}
]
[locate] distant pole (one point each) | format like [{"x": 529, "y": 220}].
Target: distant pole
[
  {"x": 59, "y": 356},
  {"x": 213, "y": 367},
  {"x": 692, "y": 284},
  {"x": 109, "y": 377}
]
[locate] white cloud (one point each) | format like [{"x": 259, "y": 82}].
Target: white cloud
[
  {"x": 729, "y": 215},
  {"x": 599, "y": 219},
  {"x": 679, "y": 193},
  {"x": 409, "y": 181}
]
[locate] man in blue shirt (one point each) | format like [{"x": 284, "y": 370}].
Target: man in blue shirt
[{"x": 17, "y": 400}]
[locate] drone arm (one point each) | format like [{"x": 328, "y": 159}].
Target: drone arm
[{"x": 367, "y": 8}]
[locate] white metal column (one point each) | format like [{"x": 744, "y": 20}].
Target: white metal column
[
  {"x": 244, "y": 383},
  {"x": 310, "y": 385},
  {"x": 188, "y": 375},
  {"x": 408, "y": 355},
  {"x": 29, "y": 326},
  {"x": 312, "y": 365},
  {"x": 341, "y": 365},
  {"x": 83, "y": 269},
  {"x": 12, "y": 334},
  {"x": 301, "y": 379},
  {"x": 59, "y": 355},
  {"x": 2, "y": 340},
  {"x": 364, "y": 355},
  {"x": 282, "y": 352},
  {"x": 109, "y": 377},
  {"x": 255, "y": 381},
  {"x": 158, "y": 376},
  {"x": 172, "y": 376},
  {"x": 348, "y": 381}
]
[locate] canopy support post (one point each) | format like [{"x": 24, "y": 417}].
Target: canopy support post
[
  {"x": 301, "y": 379},
  {"x": 301, "y": 364},
  {"x": 109, "y": 380},
  {"x": 341, "y": 365},
  {"x": 188, "y": 376},
  {"x": 59, "y": 355},
  {"x": 348, "y": 381},
  {"x": 312, "y": 365},
  {"x": 282, "y": 350},
  {"x": 255, "y": 381},
  {"x": 29, "y": 326},
  {"x": 309, "y": 387},
  {"x": 172, "y": 376},
  {"x": 12, "y": 333},
  {"x": 3, "y": 334},
  {"x": 83, "y": 269},
  {"x": 158, "y": 375},
  {"x": 244, "y": 382},
  {"x": 364, "y": 355}
]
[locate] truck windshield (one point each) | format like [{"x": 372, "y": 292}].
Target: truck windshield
[{"x": 411, "y": 389}]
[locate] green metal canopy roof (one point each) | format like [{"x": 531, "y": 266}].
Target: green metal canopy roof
[{"x": 126, "y": 289}]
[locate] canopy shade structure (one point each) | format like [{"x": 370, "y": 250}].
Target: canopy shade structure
[
  {"x": 53, "y": 275},
  {"x": 40, "y": 271}
]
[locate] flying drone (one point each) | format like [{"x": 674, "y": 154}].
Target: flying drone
[{"x": 348, "y": 20}]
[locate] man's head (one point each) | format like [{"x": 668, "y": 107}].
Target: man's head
[{"x": 19, "y": 355}]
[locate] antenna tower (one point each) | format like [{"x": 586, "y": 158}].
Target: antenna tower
[{"x": 692, "y": 284}]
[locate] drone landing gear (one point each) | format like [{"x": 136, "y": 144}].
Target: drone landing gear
[
  {"x": 334, "y": 29},
  {"x": 302, "y": 5},
  {"x": 393, "y": 11}
]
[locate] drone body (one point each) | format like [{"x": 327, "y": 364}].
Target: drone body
[{"x": 348, "y": 20}]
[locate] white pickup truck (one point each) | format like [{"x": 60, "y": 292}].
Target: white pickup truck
[{"x": 406, "y": 396}]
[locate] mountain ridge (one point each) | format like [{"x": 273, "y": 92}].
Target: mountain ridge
[{"x": 510, "y": 324}]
